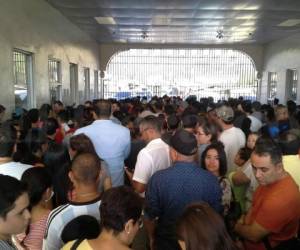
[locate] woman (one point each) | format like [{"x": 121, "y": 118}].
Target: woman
[
  {"x": 120, "y": 217},
  {"x": 82, "y": 144},
  {"x": 214, "y": 160},
  {"x": 206, "y": 133},
  {"x": 201, "y": 228},
  {"x": 36, "y": 145},
  {"x": 40, "y": 193},
  {"x": 57, "y": 162}
]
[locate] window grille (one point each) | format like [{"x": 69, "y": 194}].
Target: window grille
[
  {"x": 22, "y": 70},
  {"x": 272, "y": 85},
  {"x": 86, "y": 80},
  {"x": 54, "y": 72},
  {"x": 292, "y": 84},
  {"x": 220, "y": 73},
  {"x": 54, "y": 69}
]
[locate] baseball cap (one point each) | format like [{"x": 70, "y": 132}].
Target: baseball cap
[
  {"x": 182, "y": 141},
  {"x": 225, "y": 113}
]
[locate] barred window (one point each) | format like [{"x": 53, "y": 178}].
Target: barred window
[
  {"x": 54, "y": 69},
  {"x": 22, "y": 70},
  {"x": 220, "y": 73},
  {"x": 272, "y": 85}
]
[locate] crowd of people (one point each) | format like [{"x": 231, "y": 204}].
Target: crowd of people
[{"x": 178, "y": 174}]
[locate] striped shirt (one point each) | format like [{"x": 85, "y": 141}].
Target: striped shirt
[
  {"x": 34, "y": 239},
  {"x": 62, "y": 215}
]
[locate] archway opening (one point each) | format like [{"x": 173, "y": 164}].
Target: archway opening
[{"x": 219, "y": 73}]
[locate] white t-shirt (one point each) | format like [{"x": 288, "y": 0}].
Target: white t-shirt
[
  {"x": 255, "y": 123},
  {"x": 233, "y": 139},
  {"x": 14, "y": 169},
  {"x": 247, "y": 170},
  {"x": 61, "y": 216},
  {"x": 153, "y": 157}
]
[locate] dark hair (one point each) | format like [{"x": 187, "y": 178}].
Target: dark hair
[
  {"x": 219, "y": 147},
  {"x": 59, "y": 103},
  {"x": 10, "y": 190},
  {"x": 50, "y": 126},
  {"x": 57, "y": 162},
  {"x": 289, "y": 143},
  {"x": 152, "y": 122},
  {"x": 244, "y": 153},
  {"x": 169, "y": 109},
  {"x": 247, "y": 106},
  {"x": 2, "y": 108},
  {"x": 86, "y": 167},
  {"x": 102, "y": 108},
  {"x": 35, "y": 139},
  {"x": 267, "y": 147},
  {"x": 173, "y": 122},
  {"x": 8, "y": 136},
  {"x": 190, "y": 121},
  {"x": 119, "y": 205},
  {"x": 210, "y": 128},
  {"x": 63, "y": 115},
  {"x": 45, "y": 111},
  {"x": 33, "y": 115},
  {"x": 37, "y": 180},
  {"x": 82, "y": 144},
  {"x": 56, "y": 156},
  {"x": 201, "y": 228}
]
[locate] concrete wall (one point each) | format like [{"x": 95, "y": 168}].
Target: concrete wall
[
  {"x": 280, "y": 56},
  {"x": 36, "y": 27}
]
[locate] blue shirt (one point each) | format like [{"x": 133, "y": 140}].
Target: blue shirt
[
  {"x": 170, "y": 190},
  {"x": 112, "y": 144}
]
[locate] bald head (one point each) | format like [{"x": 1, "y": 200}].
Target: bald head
[{"x": 86, "y": 168}]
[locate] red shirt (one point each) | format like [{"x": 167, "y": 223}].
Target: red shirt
[{"x": 276, "y": 207}]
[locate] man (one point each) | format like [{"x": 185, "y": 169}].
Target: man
[
  {"x": 14, "y": 213},
  {"x": 170, "y": 190},
  {"x": 111, "y": 141},
  {"x": 275, "y": 211},
  {"x": 154, "y": 157},
  {"x": 233, "y": 138},
  {"x": 246, "y": 108},
  {"x": 8, "y": 136},
  {"x": 84, "y": 175},
  {"x": 290, "y": 147}
]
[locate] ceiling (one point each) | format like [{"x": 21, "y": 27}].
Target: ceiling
[{"x": 183, "y": 21}]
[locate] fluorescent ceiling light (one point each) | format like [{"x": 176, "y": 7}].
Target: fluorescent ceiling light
[
  {"x": 159, "y": 20},
  {"x": 289, "y": 23},
  {"x": 105, "y": 20}
]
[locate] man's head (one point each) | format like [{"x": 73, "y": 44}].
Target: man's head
[
  {"x": 85, "y": 169},
  {"x": 266, "y": 160},
  {"x": 225, "y": 115},
  {"x": 58, "y": 106},
  {"x": 183, "y": 145},
  {"x": 150, "y": 128},
  {"x": 115, "y": 106},
  {"x": 14, "y": 202},
  {"x": 50, "y": 126},
  {"x": 102, "y": 109},
  {"x": 8, "y": 136}
]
